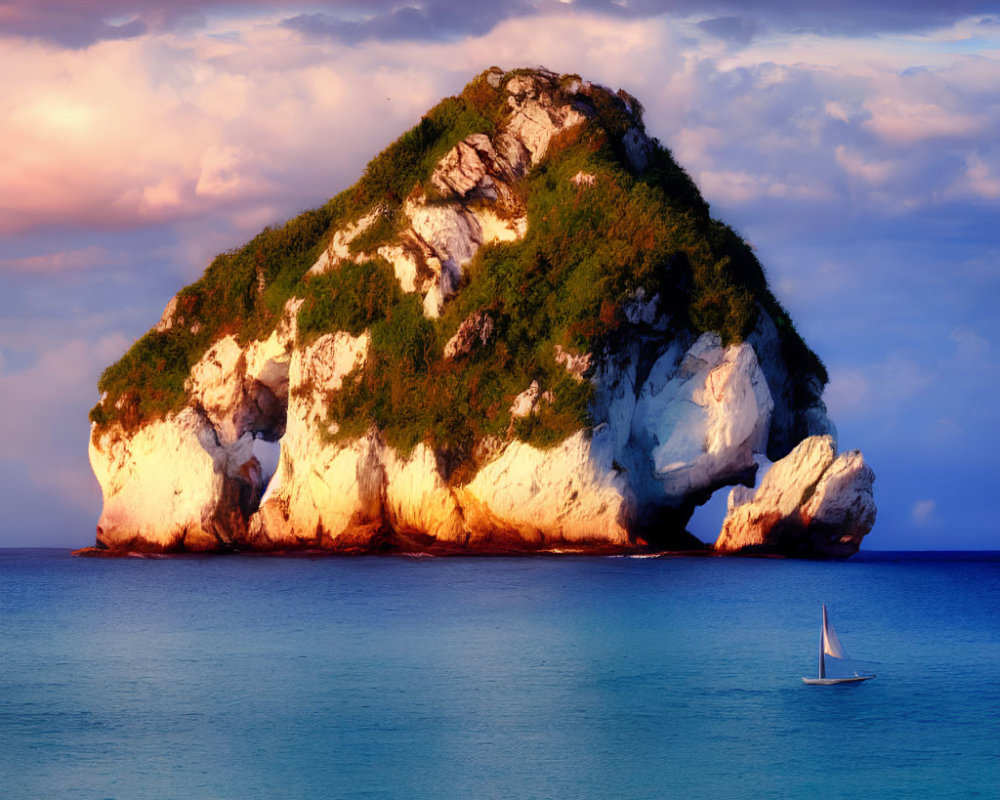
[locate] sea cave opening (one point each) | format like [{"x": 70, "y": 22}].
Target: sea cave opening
[
  {"x": 267, "y": 453},
  {"x": 706, "y": 521},
  {"x": 265, "y": 406}
]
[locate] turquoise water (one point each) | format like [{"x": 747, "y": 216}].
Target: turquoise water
[{"x": 251, "y": 677}]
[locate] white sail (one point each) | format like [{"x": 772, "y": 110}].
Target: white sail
[{"x": 831, "y": 644}]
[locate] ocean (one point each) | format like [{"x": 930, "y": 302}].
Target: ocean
[{"x": 244, "y": 677}]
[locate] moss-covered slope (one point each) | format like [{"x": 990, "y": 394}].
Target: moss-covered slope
[{"x": 645, "y": 231}]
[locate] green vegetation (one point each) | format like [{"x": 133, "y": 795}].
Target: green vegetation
[
  {"x": 349, "y": 298},
  {"x": 410, "y": 160},
  {"x": 244, "y": 291},
  {"x": 587, "y": 251},
  {"x": 148, "y": 381}
]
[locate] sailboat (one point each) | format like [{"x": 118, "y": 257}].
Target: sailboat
[{"x": 830, "y": 646}]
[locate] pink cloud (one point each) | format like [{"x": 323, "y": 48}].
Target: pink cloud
[
  {"x": 60, "y": 261},
  {"x": 247, "y": 116},
  {"x": 168, "y": 127},
  {"x": 905, "y": 122},
  {"x": 868, "y": 170},
  {"x": 980, "y": 180}
]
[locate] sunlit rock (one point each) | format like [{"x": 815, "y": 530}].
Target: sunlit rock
[
  {"x": 172, "y": 486},
  {"x": 810, "y": 503}
]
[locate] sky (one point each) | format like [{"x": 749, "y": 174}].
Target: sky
[{"x": 855, "y": 144}]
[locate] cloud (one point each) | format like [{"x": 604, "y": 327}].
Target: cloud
[
  {"x": 886, "y": 390},
  {"x": 873, "y": 172},
  {"x": 905, "y": 122},
  {"x": 938, "y": 398},
  {"x": 79, "y": 25},
  {"x": 837, "y": 111},
  {"x": 161, "y": 129},
  {"x": 738, "y": 30},
  {"x": 59, "y": 261},
  {"x": 238, "y": 115},
  {"x": 980, "y": 179},
  {"x": 970, "y": 347},
  {"x": 903, "y": 376},
  {"x": 62, "y": 23},
  {"x": 103, "y": 138},
  {"x": 433, "y": 21},
  {"x": 75, "y": 24},
  {"x": 847, "y": 393},
  {"x": 730, "y": 185},
  {"x": 223, "y": 170},
  {"x": 922, "y": 512},
  {"x": 826, "y": 118}
]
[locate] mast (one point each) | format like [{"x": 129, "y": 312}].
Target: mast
[{"x": 822, "y": 646}]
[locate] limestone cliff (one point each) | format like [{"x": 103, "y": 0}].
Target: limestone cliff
[
  {"x": 810, "y": 503},
  {"x": 521, "y": 330}
]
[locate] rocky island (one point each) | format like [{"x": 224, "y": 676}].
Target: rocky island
[{"x": 521, "y": 330}]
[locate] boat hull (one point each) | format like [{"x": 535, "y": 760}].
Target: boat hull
[{"x": 832, "y": 681}]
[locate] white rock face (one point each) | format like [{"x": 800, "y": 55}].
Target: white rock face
[
  {"x": 171, "y": 318},
  {"x": 243, "y": 391},
  {"x": 638, "y": 148},
  {"x": 533, "y": 123},
  {"x": 344, "y": 495},
  {"x": 167, "y": 318},
  {"x": 843, "y": 499},
  {"x": 698, "y": 418},
  {"x": 171, "y": 486},
  {"x": 705, "y": 418},
  {"x": 810, "y": 503},
  {"x": 576, "y": 364},
  {"x": 316, "y": 488},
  {"x": 419, "y": 503},
  {"x": 527, "y": 401},
  {"x": 466, "y": 169},
  {"x": 443, "y": 237},
  {"x": 339, "y": 248},
  {"x": 474, "y": 332},
  {"x": 451, "y": 231},
  {"x": 475, "y": 181},
  {"x": 189, "y": 481},
  {"x": 547, "y": 496},
  {"x": 216, "y": 384}
]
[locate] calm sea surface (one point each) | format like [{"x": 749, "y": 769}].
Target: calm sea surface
[{"x": 475, "y": 678}]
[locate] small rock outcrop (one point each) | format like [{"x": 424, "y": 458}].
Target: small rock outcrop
[
  {"x": 474, "y": 332},
  {"x": 812, "y": 503}
]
